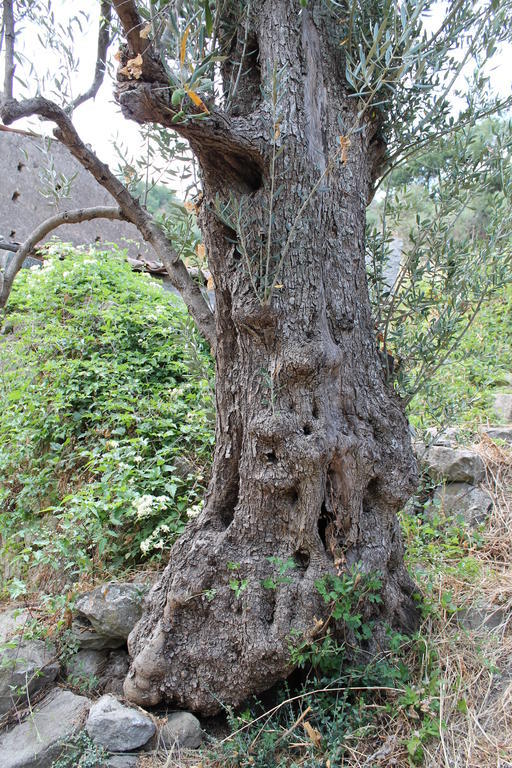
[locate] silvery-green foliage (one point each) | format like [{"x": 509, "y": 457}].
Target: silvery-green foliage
[
  {"x": 55, "y": 186},
  {"x": 447, "y": 271},
  {"x": 404, "y": 73}
]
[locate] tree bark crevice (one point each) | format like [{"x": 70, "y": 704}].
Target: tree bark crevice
[{"x": 230, "y": 148}]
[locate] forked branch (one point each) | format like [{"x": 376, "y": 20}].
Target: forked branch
[
  {"x": 233, "y": 146},
  {"x": 130, "y": 208}
]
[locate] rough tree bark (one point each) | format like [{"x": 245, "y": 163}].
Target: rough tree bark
[{"x": 313, "y": 456}]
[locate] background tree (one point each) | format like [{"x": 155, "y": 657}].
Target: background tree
[
  {"x": 450, "y": 209},
  {"x": 293, "y": 111}
]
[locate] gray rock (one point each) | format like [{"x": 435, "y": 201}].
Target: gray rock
[
  {"x": 12, "y": 623},
  {"x": 181, "y": 729},
  {"x": 456, "y": 465},
  {"x": 418, "y": 448},
  {"x": 6, "y": 329},
  {"x": 481, "y": 616},
  {"x": 503, "y": 406},
  {"x": 118, "y": 728},
  {"x": 504, "y": 378},
  {"x": 113, "y": 609},
  {"x": 39, "y": 740},
  {"x": 88, "y": 639},
  {"x": 86, "y": 667},
  {"x": 448, "y": 436},
  {"x": 499, "y": 433},
  {"x": 122, "y": 761},
  {"x": 24, "y": 669},
  {"x": 147, "y": 579},
  {"x": 466, "y": 501},
  {"x": 114, "y": 673}
]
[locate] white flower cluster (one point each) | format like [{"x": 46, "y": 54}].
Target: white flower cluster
[
  {"x": 176, "y": 392},
  {"x": 195, "y": 510},
  {"x": 155, "y": 540},
  {"x": 146, "y": 505},
  {"x": 155, "y": 315}
]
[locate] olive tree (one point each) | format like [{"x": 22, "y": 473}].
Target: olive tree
[{"x": 294, "y": 110}]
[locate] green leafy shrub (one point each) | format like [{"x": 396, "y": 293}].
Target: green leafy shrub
[
  {"x": 106, "y": 426},
  {"x": 339, "y": 703},
  {"x": 341, "y": 698}
]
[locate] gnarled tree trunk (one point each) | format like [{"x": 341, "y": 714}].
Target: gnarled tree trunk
[{"x": 313, "y": 456}]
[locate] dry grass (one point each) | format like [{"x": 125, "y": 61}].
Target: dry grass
[
  {"x": 475, "y": 696},
  {"x": 477, "y": 663},
  {"x": 172, "y": 758}
]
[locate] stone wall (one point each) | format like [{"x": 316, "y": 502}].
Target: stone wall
[{"x": 22, "y": 206}]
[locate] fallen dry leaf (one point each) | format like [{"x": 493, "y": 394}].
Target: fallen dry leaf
[
  {"x": 345, "y": 146},
  {"x": 314, "y": 735}
]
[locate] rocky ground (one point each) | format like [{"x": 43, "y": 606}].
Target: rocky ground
[{"x": 47, "y": 699}]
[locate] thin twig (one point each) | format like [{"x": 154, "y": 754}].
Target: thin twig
[
  {"x": 8, "y": 25},
  {"x": 104, "y": 39},
  {"x": 305, "y": 695},
  {"x": 407, "y": 152},
  {"x": 294, "y": 726},
  {"x": 242, "y": 57}
]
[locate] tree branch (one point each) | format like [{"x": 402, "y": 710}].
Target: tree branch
[
  {"x": 65, "y": 217},
  {"x": 8, "y": 25},
  {"x": 233, "y": 147},
  {"x": 101, "y": 56},
  {"x": 130, "y": 207},
  {"x": 152, "y": 68},
  {"x": 132, "y": 25},
  {"x": 8, "y": 247}
]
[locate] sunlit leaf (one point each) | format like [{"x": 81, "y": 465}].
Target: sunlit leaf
[
  {"x": 197, "y": 100},
  {"x": 183, "y": 46}
]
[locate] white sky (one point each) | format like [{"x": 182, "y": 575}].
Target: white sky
[{"x": 100, "y": 121}]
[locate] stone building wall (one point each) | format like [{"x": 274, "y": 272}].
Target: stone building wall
[{"x": 22, "y": 206}]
